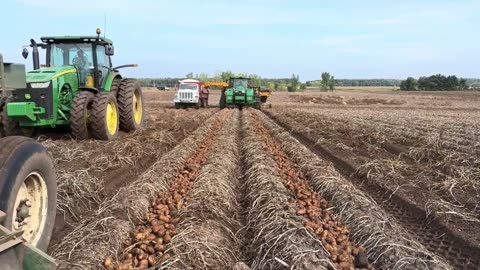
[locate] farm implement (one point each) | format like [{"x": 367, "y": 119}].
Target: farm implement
[
  {"x": 77, "y": 87},
  {"x": 28, "y": 191}
]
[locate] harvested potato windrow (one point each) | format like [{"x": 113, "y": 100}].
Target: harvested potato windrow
[
  {"x": 318, "y": 214},
  {"x": 147, "y": 245}
]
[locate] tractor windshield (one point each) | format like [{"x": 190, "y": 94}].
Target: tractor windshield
[
  {"x": 185, "y": 86},
  {"x": 78, "y": 55},
  {"x": 240, "y": 83}
]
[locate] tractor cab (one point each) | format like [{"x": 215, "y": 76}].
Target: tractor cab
[
  {"x": 238, "y": 83},
  {"x": 88, "y": 55}
]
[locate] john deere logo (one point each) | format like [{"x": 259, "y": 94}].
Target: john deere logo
[{"x": 28, "y": 96}]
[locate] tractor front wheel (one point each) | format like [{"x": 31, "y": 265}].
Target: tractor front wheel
[
  {"x": 28, "y": 193},
  {"x": 104, "y": 123},
  {"x": 10, "y": 126},
  {"x": 130, "y": 105},
  {"x": 80, "y": 114}
]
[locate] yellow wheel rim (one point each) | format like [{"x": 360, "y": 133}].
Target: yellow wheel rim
[
  {"x": 137, "y": 107},
  {"x": 112, "y": 118}
]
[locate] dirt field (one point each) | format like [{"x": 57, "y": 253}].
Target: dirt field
[{"x": 343, "y": 180}]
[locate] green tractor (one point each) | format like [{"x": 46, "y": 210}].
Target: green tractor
[
  {"x": 77, "y": 87},
  {"x": 238, "y": 93}
]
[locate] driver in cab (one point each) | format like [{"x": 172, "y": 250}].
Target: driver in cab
[{"x": 80, "y": 62}]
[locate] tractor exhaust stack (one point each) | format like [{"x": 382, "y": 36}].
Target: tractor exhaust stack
[{"x": 35, "y": 54}]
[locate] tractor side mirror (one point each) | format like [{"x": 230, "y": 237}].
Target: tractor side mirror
[
  {"x": 25, "y": 53},
  {"x": 109, "y": 50}
]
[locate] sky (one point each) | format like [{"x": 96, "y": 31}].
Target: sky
[{"x": 349, "y": 39}]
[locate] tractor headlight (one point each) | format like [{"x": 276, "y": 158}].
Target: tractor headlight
[{"x": 40, "y": 85}]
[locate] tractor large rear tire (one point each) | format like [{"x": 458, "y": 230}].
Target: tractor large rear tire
[
  {"x": 104, "y": 118},
  {"x": 80, "y": 113},
  {"x": 223, "y": 100},
  {"x": 115, "y": 84},
  {"x": 26, "y": 172},
  {"x": 130, "y": 105}
]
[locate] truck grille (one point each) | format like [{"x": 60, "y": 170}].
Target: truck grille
[{"x": 186, "y": 95}]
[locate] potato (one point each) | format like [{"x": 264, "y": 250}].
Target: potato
[
  {"x": 151, "y": 260},
  {"x": 167, "y": 238},
  {"x": 159, "y": 247},
  {"x": 301, "y": 211},
  {"x": 108, "y": 262},
  {"x": 140, "y": 237},
  {"x": 150, "y": 250},
  {"x": 143, "y": 264}
]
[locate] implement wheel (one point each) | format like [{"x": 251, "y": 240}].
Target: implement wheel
[
  {"x": 28, "y": 189},
  {"x": 80, "y": 114},
  {"x": 130, "y": 105},
  {"x": 104, "y": 122}
]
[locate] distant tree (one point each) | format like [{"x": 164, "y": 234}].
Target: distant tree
[
  {"x": 294, "y": 82},
  {"x": 410, "y": 84},
  {"x": 270, "y": 85},
  {"x": 325, "y": 82},
  {"x": 189, "y": 75},
  {"x": 463, "y": 84},
  {"x": 303, "y": 86},
  {"x": 331, "y": 84},
  {"x": 226, "y": 75}
]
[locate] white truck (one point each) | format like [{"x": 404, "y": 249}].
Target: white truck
[{"x": 190, "y": 93}]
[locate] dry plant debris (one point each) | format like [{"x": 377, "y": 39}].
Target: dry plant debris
[{"x": 318, "y": 213}]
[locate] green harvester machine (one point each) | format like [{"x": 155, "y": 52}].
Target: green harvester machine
[
  {"x": 239, "y": 93},
  {"x": 28, "y": 190},
  {"x": 76, "y": 87}
]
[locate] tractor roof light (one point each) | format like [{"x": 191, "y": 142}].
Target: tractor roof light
[{"x": 98, "y": 31}]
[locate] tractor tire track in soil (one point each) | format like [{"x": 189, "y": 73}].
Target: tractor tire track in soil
[{"x": 432, "y": 234}]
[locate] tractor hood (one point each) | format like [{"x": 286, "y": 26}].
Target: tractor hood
[{"x": 48, "y": 74}]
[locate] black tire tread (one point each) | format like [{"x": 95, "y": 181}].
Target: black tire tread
[
  {"x": 78, "y": 125},
  {"x": 126, "y": 90},
  {"x": 98, "y": 125}
]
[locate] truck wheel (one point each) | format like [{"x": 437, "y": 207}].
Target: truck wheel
[
  {"x": 222, "y": 100},
  {"x": 28, "y": 189},
  {"x": 197, "y": 106},
  {"x": 104, "y": 123},
  {"x": 80, "y": 114},
  {"x": 177, "y": 105},
  {"x": 130, "y": 105}
]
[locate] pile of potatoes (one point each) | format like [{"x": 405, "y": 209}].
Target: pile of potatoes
[
  {"x": 147, "y": 245},
  {"x": 317, "y": 212}
]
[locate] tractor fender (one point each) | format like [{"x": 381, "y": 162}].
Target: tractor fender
[{"x": 107, "y": 86}]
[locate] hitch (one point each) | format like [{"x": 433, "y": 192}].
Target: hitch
[{"x": 28, "y": 256}]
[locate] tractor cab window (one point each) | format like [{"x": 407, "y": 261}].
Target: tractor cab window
[
  {"x": 77, "y": 55},
  {"x": 240, "y": 82},
  {"x": 102, "y": 58}
]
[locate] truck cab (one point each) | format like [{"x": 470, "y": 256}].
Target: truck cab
[{"x": 188, "y": 94}]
